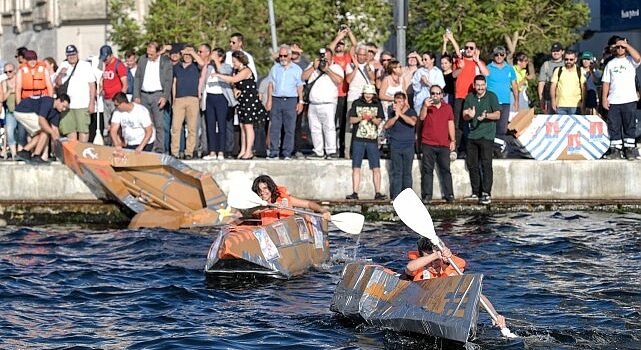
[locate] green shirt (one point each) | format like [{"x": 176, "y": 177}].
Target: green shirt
[{"x": 484, "y": 129}]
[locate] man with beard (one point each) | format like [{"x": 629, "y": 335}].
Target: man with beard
[
  {"x": 545, "y": 77},
  {"x": 568, "y": 86},
  {"x": 343, "y": 59}
]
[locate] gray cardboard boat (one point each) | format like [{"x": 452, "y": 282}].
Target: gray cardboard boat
[{"x": 445, "y": 307}]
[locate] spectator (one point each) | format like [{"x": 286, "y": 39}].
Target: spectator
[
  {"x": 343, "y": 59},
  {"x": 202, "y": 146},
  {"x": 567, "y": 89},
  {"x": 250, "y": 111},
  {"x": 236, "y": 41},
  {"x": 132, "y": 66},
  {"x": 391, "y": 84},
  {"x": 424, "y": 78},
  {"x": 284, "y": 102},
  {"x": 33, "y": 78},
  {"x": 592, "y": 78},
  {"x": 358, "y": 75},
  {"x": 52, "y": 66},
  {"x": 466, "y": 69},
  {"x": 482, "y": 109},
  {"x": 438, "y": 139},
  {"x": 400, "y": 126},
  {"x": 114, "y": 80},
  {"x": 152, "y": 89},
  {"x": 40, "y": 116},
  {"x": 413, "y": 60},
  {"x": 80, "y": 81},
  {"x": 187, "y": 82},
  {"x": 323, "y": 96},
  {"x": 218, "y": 97},
  {"x": 8, "y": 91},
  {"x": 620, "y": 97},
  {"x": 448, "y": 78},
  {"x": 302, "y": 62},
  {"x": 297, "y": 56},
  {"x": 365, "y": 116},
  {"x": 545, "y": 77},
  {"x": 138, "y": 132},
  {"x": 20, "y": 52},
  {"x": 382, "y": 72},
  {"x": 502, "y": 82},
  {"x": 372, "y": 51},
  {"x": 524, "y": 71}
]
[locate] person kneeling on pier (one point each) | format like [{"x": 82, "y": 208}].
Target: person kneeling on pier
[
  {"x": 138, "y": 132},
  {"x": 428, "y": 262},
  {"x": 40, "y": 117},
  {"x": 265, "y": 187}
]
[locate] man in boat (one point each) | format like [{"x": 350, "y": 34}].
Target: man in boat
[
  {"x": 265, "y": 187},
  {"x": 428, "y": 262}
]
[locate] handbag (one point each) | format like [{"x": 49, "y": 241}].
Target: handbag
[
  {"x": 62, "y": 89},
  {"x": 307, "y": 89}
]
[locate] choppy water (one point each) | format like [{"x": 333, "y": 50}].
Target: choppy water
[{"x": 563, "y": 280}]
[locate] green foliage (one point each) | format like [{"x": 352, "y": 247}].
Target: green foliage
[
  {"x": 313, "y": 23},
  {"x": 519, "y": 25}
]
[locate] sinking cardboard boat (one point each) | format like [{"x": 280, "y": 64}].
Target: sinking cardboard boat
[
  {"x": 443, "y": 307},
  {"x": 282, "y": 249},
  {"x": 160, "y": 190}
]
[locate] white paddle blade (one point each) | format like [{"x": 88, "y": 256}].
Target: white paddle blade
[
  {"x": 244, "y": 199},
  {"x": 351, "y": 223},
  {"x": 413, "y": 213}
]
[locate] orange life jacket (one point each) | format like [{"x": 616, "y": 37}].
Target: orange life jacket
[
  {"x": 33, "y": 80},
  {"x": 448, "y": 271},
  {"x": 270, "y": 215}
]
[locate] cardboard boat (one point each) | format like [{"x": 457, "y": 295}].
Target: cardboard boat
[
  {"x": 282, "y": 249},
  {"x": 443, "y": 307},
  {"x": 160, "y": 190}
]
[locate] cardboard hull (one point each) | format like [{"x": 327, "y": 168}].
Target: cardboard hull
[
  {"x": 283, "y": 249},
  {"x": 442, "y": 307},
  {"x": 159, "y": 189}
]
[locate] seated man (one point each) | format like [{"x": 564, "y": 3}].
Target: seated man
[
  {"x": 428, "y": 262},
  {"x": 138, "y": 132},
  {"x": 40, "y": 117}
]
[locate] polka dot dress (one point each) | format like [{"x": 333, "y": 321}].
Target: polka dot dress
[{"x": 250, "y": 109}]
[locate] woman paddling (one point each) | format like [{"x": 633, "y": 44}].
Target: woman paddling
[
  {"x": 428, "y": 262},
  {"x": 265, "y": 187}
]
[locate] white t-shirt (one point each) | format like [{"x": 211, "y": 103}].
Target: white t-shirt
[
  {"x": 324, "y": 89},
  {"x": 78, "y": 89},
  {"x": 620, "y": 73},
  {"x": 358, "y": 82},
  {"x": 133, "y": 124}
]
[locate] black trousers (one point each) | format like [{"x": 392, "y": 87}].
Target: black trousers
[
  {"x": 341, "y": 123},
  {"x": 479, "y": 164},
  {"x": 433, "y": 155},
  {"x": 462, "y": 127}
]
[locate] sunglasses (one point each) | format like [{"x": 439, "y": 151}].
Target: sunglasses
[
  {"x": 499, "y": 54},
  {"x": 386, "y": 60},
  {"x": 283, "y": 55},
  {"x": 436, "y": 93},
  {"x": 426, "y": 59},
  {"x": 617, "y": 47},
  {"x": 470, "y": 47},
  {"x": 8, "y": 71},
  {"x": 569, "y": 59},
  {"x": 232, "y": 42}
]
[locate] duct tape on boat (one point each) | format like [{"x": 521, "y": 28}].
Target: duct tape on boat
[
  {"x": 267, "y": 246},
  {"x": 318, "y": 232},
  {"x": 303, "y": 232}
]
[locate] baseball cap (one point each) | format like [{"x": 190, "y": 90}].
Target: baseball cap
[
  {"x": 369, "y": 89},
  {"x": 556, "y": 47},
  {"x": 105, "y": 51},
  {"x": 587, "y": 55},
  {"x": 30, "y": 55},
  {"x": 71, "y": 50}
]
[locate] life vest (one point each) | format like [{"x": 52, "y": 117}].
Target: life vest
[
  {"x": 268, "y": 216},
  {"x": 33, "y": 80},
  {"x": 418, "y": 275}
]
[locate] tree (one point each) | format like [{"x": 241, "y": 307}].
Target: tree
[
  {"x": 530, "y": 26},
  {"x": 313, "y": 23},
  {"x": 125, "y": 31}
]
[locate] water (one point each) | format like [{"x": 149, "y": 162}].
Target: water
[{"x": 563, "y": 281}]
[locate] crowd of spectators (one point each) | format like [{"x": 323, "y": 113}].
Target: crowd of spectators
[{"x": 350, "y": 99}]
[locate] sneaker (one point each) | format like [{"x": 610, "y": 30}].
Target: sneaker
[
  {"x": 379, "y": 196},
  {"x": 472, "y": 197},
  {"x": 188, "y": 157},
  {"x": 315, "y": 156},
  {"x": 272, "y": 158},
  {"x": 210, "y": 157},
  {"x": 221, "y": 157},
  {"x": 288, "y": 158},
  {"x": 299, "y": 155},
  {"x": 426, "y": 200},
  {"x": 23, "y": 155},
  {"x": 630, "y": 153},
  {"x": 449, "y": 199},
  {"x": 485, "y": 199},
  {"x": 332, "y": 156},
  {"x": 613, "y": 153},
  {"x": 453, "y": 156},
  {"x": 352, "y": 196}
]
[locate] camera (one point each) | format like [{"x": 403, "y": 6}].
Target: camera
[{"x": 322, "y": 61}]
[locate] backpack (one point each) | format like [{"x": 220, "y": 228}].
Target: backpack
[
  {"x": 578, "y": 74},
  {"x": 130, "y": 77}
]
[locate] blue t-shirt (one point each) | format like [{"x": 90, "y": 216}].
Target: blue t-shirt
[
  {"x": 500, "y": 81},
  {"x": 186, "y": 80},
  {"x": 401, "y": 134},
  {"x": 42, "y": 106}
]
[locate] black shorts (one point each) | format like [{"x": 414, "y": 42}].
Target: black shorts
[{"x": 591, "y": 100}]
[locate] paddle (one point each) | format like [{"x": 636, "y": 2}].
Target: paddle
[
  {"x": 413, "y": 213},
  {"x": 351, "y": 223}
]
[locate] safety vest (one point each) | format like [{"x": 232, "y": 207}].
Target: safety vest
[
  {"x": 270, "y": 215},
  {"x": 422, "y": 273},
  {"x": 33, "y": 80}
]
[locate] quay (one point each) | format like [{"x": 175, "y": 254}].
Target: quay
[{"x": 54, "y": 194}]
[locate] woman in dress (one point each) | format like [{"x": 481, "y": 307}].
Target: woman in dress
[
  {"x": 392, "y": 83},
  {"x": 250, "y": 111}
]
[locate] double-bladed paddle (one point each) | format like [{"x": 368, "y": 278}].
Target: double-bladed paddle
[
  {"x": 413, "y": 213},
  {"x": 351, "y": 223}
]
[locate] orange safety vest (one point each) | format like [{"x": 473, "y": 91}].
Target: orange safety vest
[
  {"x": 449, "y": 270},
  {"x": 270, "y": 215},
  {"x": 33, "y": 80}
]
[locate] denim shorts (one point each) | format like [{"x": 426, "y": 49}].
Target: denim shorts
[{"x": 360, "y": 149}]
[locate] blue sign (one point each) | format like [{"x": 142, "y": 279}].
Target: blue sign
[{"x": 620, "y": 15}]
